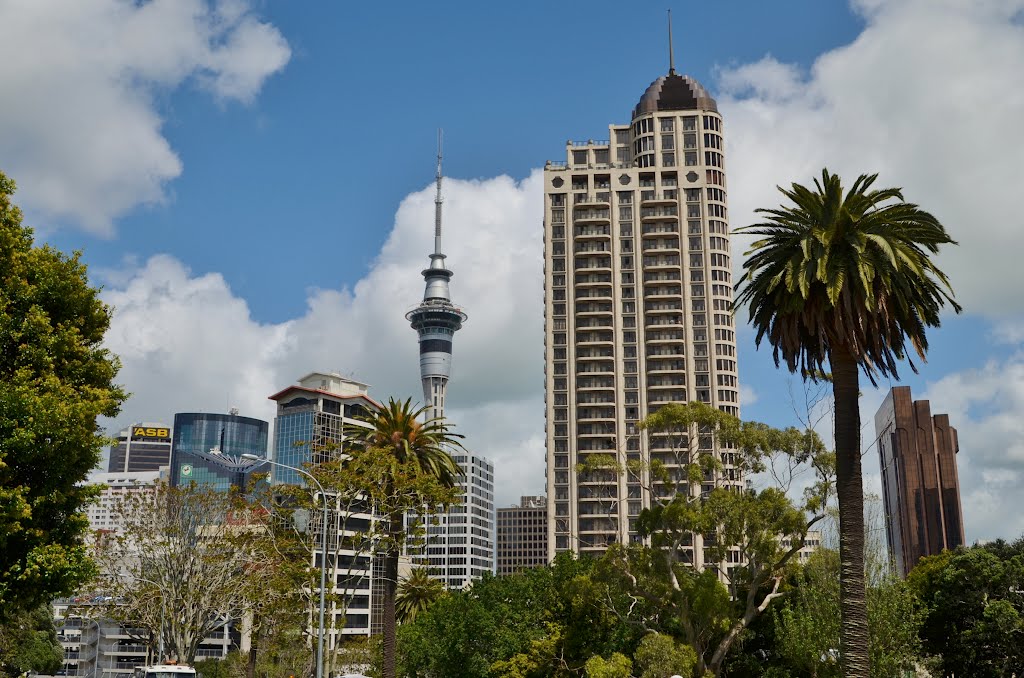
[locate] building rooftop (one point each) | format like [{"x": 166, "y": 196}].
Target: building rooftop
[{"x": 674, "y": 92}]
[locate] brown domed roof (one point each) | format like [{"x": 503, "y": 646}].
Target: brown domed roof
[{"x": 674, "y": 92}]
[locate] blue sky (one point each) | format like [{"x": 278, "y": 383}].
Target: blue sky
[{"x": 250, "y": 181}]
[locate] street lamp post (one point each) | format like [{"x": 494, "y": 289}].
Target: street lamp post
[{"x": 323, "y": 557}]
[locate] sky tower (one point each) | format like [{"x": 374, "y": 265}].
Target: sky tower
[{"x": 436, "y": 319}]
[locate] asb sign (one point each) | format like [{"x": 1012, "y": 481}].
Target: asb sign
[{"x": 150, "y": 432}]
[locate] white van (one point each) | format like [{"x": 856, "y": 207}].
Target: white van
[{"x": 165, "y": 671}]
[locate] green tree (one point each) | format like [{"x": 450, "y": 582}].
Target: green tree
[
  {"x": 418, "y": 448},
  {"x": 537, "y": 623},
  {"x": 616, "y": 666},
  {"x": 839, "y": 283},
  {"x": 415, "y": 594},
  {"x": 737, "y": 534},
  {"x": 28, "y": 643},
  {"x": 55, "y": 380},
  {"x": 808, "y": 624},
  {"x": 185, "y": 563},
  {"x": 974, "y": 610},
  {"x": 660, "y": 656}
]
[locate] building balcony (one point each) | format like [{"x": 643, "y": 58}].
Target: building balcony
[
  {"x": 591, "y": 216},
  {"x": 591, "y": 232},
  {"x": 602, "y": 356},
  {"x": 663, "y": 292},
  {"x": 584, "y": 200},
  {"x": 595, "y": 387},
  {"x": 664, "y": 307},
  {"x": 654, "y": 229},
  {"x": 593, "y": 339},
  {"x": 587, "y": 280},
  {"x": 666, "y": 383},
  {"x": 602, "y": 294},
  {"x": 592, "y": 309},
  {"x": 660, "y": 262},
  {"x": 654, "y": 198}
]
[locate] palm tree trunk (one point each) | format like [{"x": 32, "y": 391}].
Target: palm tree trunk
[
  {"x": 853, "y": 632},
  {"x": 388, "y": 669}
]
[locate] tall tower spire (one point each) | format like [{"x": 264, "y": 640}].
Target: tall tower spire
[
  {"x": 671, "y": 55},
  {"x": 436, "y": 319}
]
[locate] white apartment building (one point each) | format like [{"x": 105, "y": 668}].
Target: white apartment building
[{"x": 638, "y": 306}]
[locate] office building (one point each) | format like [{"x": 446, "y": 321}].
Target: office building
[
  {"x": 313, "y": 420},
  {"x": 638, "y": 306},
  {"x": 920, "y": 489},
  {"x": 460, "y": 546},
  {"x": 141, "y": 447},
  {"x": 523, "y": 535},
  {"x": 207, "y": 450}
]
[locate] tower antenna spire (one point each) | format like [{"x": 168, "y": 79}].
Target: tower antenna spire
[
  {"x": 437, "y": 198},
  {"x": 671, "y": 56}
]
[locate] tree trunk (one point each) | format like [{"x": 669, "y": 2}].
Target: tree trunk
[
  {"x": 388, "y": 669},
  {"x": 250, "y": 666},
  {"x": 853, "y": 632}
]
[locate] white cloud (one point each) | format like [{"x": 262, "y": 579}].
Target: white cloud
[
  {"x": 924, "y": 96},
  {"x": 80, "y": 128},
  {"x": 188, "y": 343}
]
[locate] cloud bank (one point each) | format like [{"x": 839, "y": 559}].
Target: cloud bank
[{"x": 80, "y": 126}]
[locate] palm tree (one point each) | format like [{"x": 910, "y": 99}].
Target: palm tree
[
  {"x": 397, "y": 428},
  {"x": 846, "y": 280},
  {"x": 415, "y": 594}
]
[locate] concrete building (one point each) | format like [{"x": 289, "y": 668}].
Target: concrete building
[
  {"x": 920, "y": 488},
  {"x": 207, "y": 449},
  {"x": 313, "y": 419},
  {"x": 638, "y": 304},
  {"x": 103, "y": 648},
  {"x": 523, "y": 535},
  {"x": 144, "y": 446},
  {"x": 460, "y": 547},
  {"x": 103, "y": 513}
]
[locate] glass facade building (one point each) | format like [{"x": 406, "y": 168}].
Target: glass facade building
[
  {"x": 208, "y": 448},
  {"x": 314, "y": 418}
]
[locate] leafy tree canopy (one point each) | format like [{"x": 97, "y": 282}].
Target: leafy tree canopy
[
  {"x": 55, "y": 380},
  {"x": 974, "y": 609}
]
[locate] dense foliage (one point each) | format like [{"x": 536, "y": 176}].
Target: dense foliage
[
  {"x": 542, "y": 622},
  {"x": 55, "y": 380},
  {"x": 28, "y": 643},
  {"x": 973, "y": 603}
]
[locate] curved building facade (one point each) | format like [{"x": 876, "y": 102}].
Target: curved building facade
[{"x": 207, "y": 449}]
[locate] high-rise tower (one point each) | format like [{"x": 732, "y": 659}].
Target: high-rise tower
[
  {"x": 436, "y": 319},
  {"x": 638, "y": 306},
  {"x": 460, "y": 546},
  {"x": 920, "y": 485}
]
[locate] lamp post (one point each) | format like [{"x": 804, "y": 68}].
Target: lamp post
[{"x": 323, "y": 557}]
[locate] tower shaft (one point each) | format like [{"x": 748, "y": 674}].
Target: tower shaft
[{"x": 436, "y": 319}]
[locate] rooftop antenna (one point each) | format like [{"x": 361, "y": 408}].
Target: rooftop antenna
[
  {"x": 437, "y": 198},
  {"x": 671, "y": 57}
]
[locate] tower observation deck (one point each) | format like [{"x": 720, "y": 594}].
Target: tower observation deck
[{"x": 436, "y": 319}]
